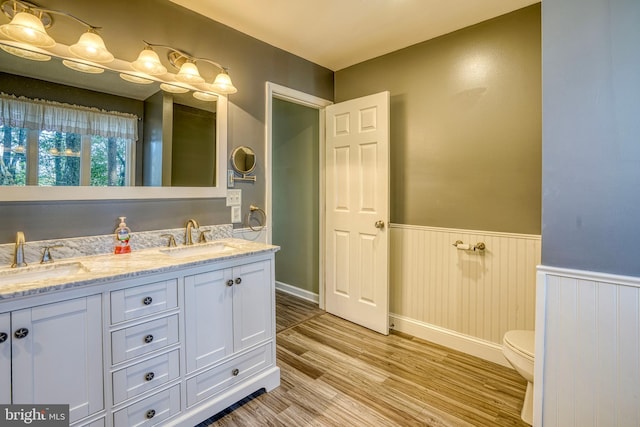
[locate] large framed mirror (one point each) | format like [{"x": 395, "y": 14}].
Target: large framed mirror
[{"x": 181, "y": 151}]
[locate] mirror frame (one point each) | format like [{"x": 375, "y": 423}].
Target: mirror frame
[
  {"x": 32, "y": 193},
  {"x": 37, "y": 193}
]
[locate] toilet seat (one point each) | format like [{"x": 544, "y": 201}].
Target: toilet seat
[{"x": 521, "y": 342}]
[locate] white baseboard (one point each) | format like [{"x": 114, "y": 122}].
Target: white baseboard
[
  {"x": 295, "y": 291},
  {"x": 467, "y": 344}
]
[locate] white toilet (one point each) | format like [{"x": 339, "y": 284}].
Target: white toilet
[{"x": 518, "y": 348}]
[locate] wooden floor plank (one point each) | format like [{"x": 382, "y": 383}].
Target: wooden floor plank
[{"x": 336, "y": 373}]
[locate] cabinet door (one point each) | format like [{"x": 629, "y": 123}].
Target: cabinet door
[
  {"x": 252, "y": 304},
  {"x": 208, "y": 318},
  {"x": 57, "y": 355},
  {"x": 5, "y": 359}
]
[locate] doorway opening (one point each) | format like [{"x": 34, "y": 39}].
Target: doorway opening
[{"x": 295, "y": 189}]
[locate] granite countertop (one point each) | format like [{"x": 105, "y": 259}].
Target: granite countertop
[{"x": 99, "y": 269}]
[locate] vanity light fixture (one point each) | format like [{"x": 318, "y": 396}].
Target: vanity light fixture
[
  {"x": 28, "y": 25},
  {"x": 188, "y": 70}
]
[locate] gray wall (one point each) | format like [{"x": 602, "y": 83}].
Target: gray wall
[
  {"x": 465, "y": 125},
  {"x": 295, "y": 194},
  {"x": 591, "y": 145},
  {"x": 252, "y": 62}
]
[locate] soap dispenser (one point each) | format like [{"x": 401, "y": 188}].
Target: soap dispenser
[{"x": 123, "y": 234}]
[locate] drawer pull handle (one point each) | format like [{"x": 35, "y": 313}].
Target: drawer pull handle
[
  {"x": 238, "y": 281},
  {"x": 148, "y": 338},
  {"x": 21, "y": 333},
  {"x": 235, "y": 372},
  {"x": 147, "y": 300},
  {"x": 149, "y": 376},
  {"x": 151, "y": 413},
  {"x": 229, "y": 282},
  {"x": 3, "y": 337}
]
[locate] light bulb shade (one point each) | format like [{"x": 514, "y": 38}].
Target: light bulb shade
[
  {"x": 205, "y": 96},
  {"x": 135, "y": 79},
  {"x": 173, "y": 88},
  {"x": 148, "y": 62},
  {"x": 25, "y": 53},
  {"x": 82, "y": 67},
  {"x": 91, "y": 47},
  {"x": 222, "y": 84},
  {"x": 27, "y": 28},
  {"x": 189, "y": 74}
]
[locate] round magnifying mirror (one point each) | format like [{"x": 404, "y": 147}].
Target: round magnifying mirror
[{"x": 243, "y": 160}]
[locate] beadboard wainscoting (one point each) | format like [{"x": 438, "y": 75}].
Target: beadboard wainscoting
[
  {"x": 587, "y": 349},
  {"x": 462, "y": 299}
]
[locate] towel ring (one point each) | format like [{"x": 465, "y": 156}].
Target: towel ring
[{"x": 251, "y": 217}]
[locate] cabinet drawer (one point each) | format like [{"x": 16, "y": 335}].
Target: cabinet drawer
[
  {"x": 132, "y": 303},
  {"x": 227, "y": 374},
  {"x": 143, "y": 338},
  {"x": 144, "y": 376},
  {"x": 151, "y": 411}
]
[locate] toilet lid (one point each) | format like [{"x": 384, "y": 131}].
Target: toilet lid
[{"x": 522, "y": 341}]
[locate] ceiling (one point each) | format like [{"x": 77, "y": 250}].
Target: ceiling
[{"x": 339, "y": 33}]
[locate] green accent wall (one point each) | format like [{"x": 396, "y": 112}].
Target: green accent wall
[
  {"x": 466, "y": 127},
  {"x": 295, "y": 194}
]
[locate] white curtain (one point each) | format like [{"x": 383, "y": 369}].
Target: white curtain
[{"x": 54, "y": 116}]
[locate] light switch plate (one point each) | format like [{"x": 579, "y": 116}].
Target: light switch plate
[
  {"x": 236, "y": 216},
  {"x": 234, "y": 197}
]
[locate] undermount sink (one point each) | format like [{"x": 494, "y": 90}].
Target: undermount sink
[
  {"x": 34, "y": 273},
  {"x": 197, "y": 250}
]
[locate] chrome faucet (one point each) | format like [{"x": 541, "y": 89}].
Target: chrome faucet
[
  {"x": 188, "y": 240},
  {"x": 18, "y": 252}
]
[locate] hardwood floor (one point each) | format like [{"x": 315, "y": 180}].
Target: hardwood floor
[{"x": 335, "y": 373}]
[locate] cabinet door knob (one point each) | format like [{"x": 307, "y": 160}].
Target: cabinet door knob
[
  {"x": 151, "y": 413},
  {"x": 229, "y": 282},
  {"x": 21, "y": 333},
  {"x": 238, "y": 281},
  {"x": 235, "y": 372},
  {"x": 147, "y": 300},
  {"x": 3, "y": 337},
  {"x": 148, "y": 338},
  {"x": 149, "y": 376}
]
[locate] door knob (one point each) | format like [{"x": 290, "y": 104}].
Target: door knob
[{"x": 379, "y": 224}]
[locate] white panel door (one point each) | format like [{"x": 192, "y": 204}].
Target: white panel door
[
  {"x": 57, "y": 355},
  {"x": 5, "y": 359},
  {"x": 357, "y": 211}
]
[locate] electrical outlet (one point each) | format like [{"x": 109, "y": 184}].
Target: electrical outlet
[
  {"x": 236, "y": 216},
  {"x": 234, "y": 197}
]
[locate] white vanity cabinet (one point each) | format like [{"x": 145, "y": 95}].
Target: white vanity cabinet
[
  {"x": 55, "y": 355},
  {"x": 227, "y": 312},
  {"x": 171, "y": 344}
]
